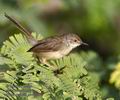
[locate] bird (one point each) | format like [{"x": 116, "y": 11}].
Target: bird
[{"x": 53, "y": 47}]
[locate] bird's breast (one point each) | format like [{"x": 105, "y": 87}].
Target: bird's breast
[
  {"x": 54, "y": 54},
  {"x": 50, "y": 55}
]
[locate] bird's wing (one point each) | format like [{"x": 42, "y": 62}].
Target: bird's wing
[{"x": 47, "y": 45}]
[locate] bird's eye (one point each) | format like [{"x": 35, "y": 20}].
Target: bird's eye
[{"x": 75, "y": 40}]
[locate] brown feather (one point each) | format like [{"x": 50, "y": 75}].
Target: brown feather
[{"x": 47, "y": 45}]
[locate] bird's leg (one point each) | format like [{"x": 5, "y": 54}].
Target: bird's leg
[
  {"x": 51, "y": 67},
  {"x": 44, "y": 61}
]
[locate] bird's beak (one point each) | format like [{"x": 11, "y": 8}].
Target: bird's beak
[{"x": 84, "y": 43}]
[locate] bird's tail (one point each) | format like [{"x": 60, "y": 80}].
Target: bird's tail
[{"x": 28, "y": 35}]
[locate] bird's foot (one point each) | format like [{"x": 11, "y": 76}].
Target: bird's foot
[{"x": 59, "y": 70}]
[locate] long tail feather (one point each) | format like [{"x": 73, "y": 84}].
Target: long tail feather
[{"x": 28, "y": 35}]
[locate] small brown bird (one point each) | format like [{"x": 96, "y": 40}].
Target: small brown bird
[{"x": 52, "y": 47}]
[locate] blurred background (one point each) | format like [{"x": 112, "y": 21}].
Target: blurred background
[{"x": 96, "y": 21}]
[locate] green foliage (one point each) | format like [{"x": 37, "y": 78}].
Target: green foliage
[
  {"x": 97, "y": 22},
  {"x": 25, "y": 79}
]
